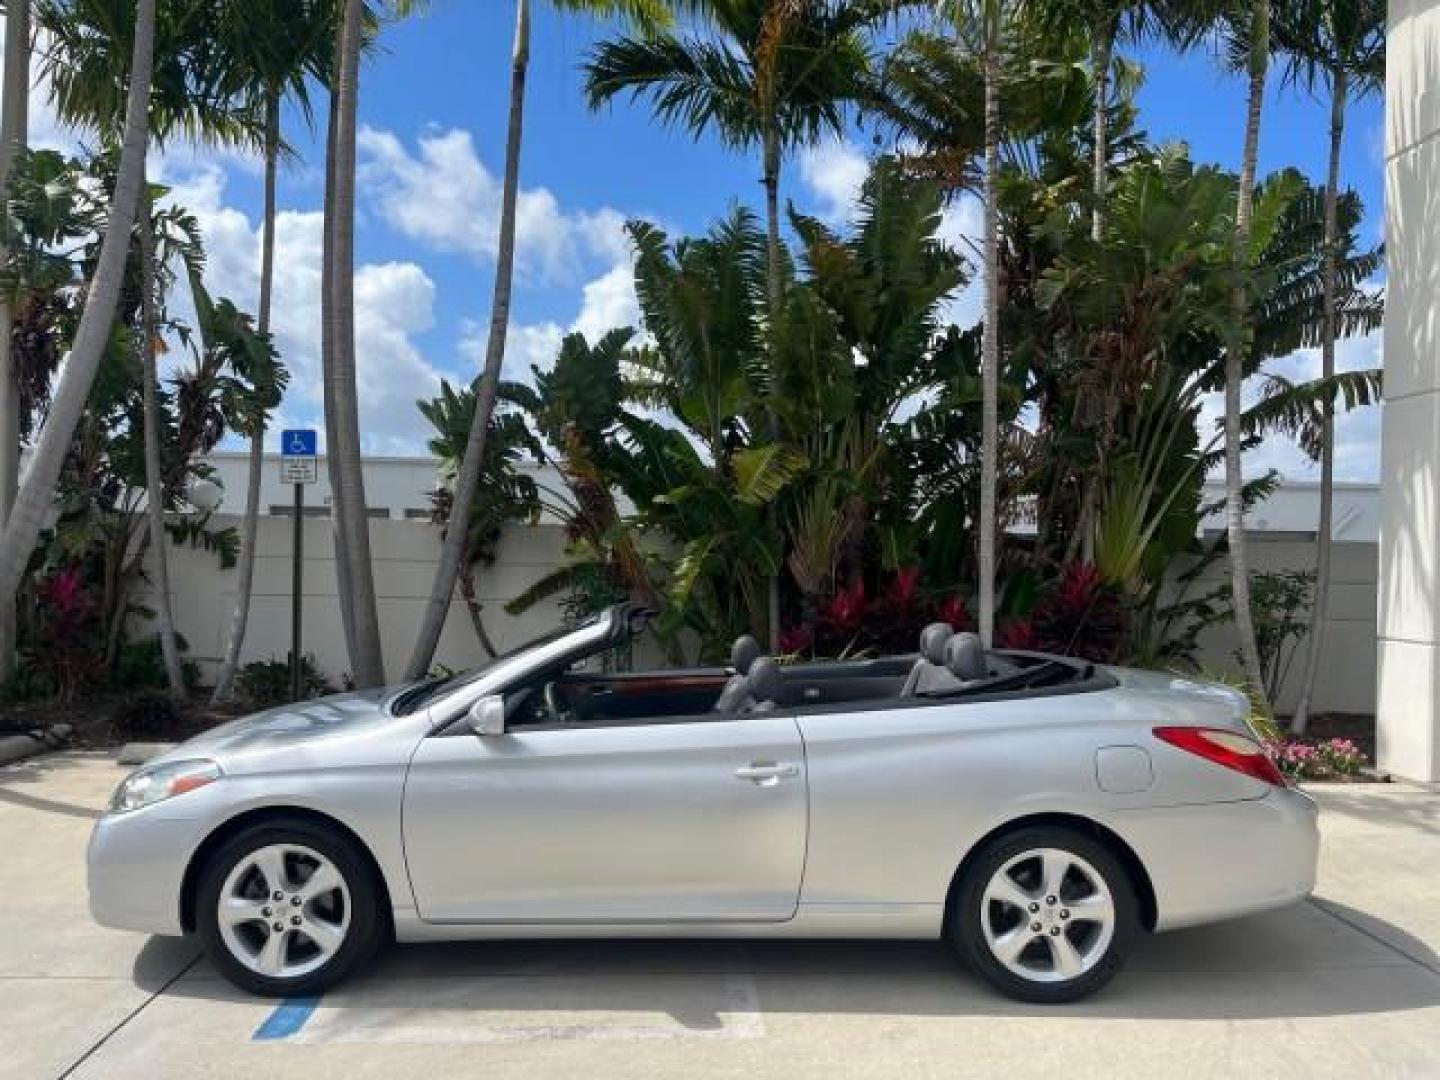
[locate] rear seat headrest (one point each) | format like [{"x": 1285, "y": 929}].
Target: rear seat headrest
[
  {"x": 765, "y": 681},
  {"x": 965, "y": 657},
  {"x": 932, "y": 642},
  {"x": 743, "y": 653}
]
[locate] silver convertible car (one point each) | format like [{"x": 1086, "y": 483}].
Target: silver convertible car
[{"x": 1038, "y": 812}]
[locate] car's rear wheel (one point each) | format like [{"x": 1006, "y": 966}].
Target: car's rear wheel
[
  {"x": 1045, "y": 914},
  {"x": 287, "y": 908}
]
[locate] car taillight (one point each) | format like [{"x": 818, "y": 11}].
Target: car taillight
[{"x": 1227, "y": 748}]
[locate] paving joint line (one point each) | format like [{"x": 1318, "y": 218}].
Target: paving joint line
[
  {"x": 1419, "y": 962},
  {"x": 88, "y": 1054}
]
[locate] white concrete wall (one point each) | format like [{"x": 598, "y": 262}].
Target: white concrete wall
[
  {"x": 404, "y": 555},
  {"x": 1409, "y": 579},
  {"x": 1346, "y": 680},
  {"x": 404, "y": 559}
]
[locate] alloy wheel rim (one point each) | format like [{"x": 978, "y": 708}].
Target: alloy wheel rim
[
  {"x": 1048, "y": 916},
  {"x": 284, "y": 910}
]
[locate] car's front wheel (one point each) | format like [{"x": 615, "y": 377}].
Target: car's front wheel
[
  {"x": 288, "y": 908},
  {"x": 1045, "y": 915}
]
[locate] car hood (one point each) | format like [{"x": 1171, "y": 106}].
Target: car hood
[{"x": 289, "y": 727}]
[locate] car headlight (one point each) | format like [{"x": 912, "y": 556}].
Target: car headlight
[{"x": 155, "y": 783}]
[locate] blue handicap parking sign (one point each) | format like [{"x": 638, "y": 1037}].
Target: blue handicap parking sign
[{"x": 300, "y": 443}]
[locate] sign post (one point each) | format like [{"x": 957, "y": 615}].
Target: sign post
[{"x": 298, "y": 452}]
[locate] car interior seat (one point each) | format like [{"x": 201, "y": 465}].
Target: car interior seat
[
  {"x": 743, "y": 654},
  {"x": 766, "y": 685},
  {"x": 930, "y": 675},
  {"x": 965, "y": 658}
]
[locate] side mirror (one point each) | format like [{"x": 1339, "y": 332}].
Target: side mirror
[{"x": 487, "y": 716}]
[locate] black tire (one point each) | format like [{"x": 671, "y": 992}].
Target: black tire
[
  {"x": 967, "y": 931},
  {"x": 367, "y": 926}
]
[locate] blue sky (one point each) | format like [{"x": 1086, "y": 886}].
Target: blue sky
[{"x": 432, "y": 109}]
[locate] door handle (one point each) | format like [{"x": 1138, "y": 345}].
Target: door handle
[{"x": 767, "y": 773}]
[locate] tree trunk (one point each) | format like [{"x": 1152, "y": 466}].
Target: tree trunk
[
  {"x": 452, "y": 548},
  {"x": 473, "y": 605},
  {"x": 1316, "y": 638},
  {"x": 250, "y": 528},
  {"x": 14, "y": 134},
  {"x": 344, "y": 591},
  {"x": 347, "y": 481},
  {"x": 37, "y": 492},
  {"x": 1235, "y": 361},
  {"x": 990, "y": 347},
  {"x": 154, "y": 481},
  {"x": 775, "y": 296},
  {"x": 1102, "y": 47}
]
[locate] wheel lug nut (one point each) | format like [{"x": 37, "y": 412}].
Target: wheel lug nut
[
  {"x": 1050, "y": 900},
  {"x": 1064, "y": 914},
  {"x": 278, "y": 896},
  {"x": 1054, "y": 931},
  {"x": 265, "y": 911},
  {"x": 294, "y": 920},
  {"x": 1035, "y": 926},
  {"x": 279, "y": 926},
  {"x": 1034, "y": 908},
  {"x": 295, "y": 901}
]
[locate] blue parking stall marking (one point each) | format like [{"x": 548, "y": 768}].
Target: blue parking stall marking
[{"x": 287, "y": 1019}]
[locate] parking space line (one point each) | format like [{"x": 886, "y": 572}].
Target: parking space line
[{"x": 287, "y": 1019}]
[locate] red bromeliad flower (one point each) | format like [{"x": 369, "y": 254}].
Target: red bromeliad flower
[
  {"x": 1017, "y": 634},
  {"x": 904, "y": 587},
  {"x": 794, "y": 639},
  {"x": 953, "y": 611},
  {"x": 1078, "y": 584},
  {"x": 64, "y": 590},
  {"x": 847, "y": 607}
]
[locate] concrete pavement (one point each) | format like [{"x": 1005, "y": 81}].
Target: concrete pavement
[{"x": 1347, "y": 985}]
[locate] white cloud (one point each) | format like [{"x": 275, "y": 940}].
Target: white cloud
[
  {"x": 609, "y": 303},
  {"x": 444, "y": 197},
  {"x": 393, "y": 302},
  {"x": 834, "y": 171},
  {"x": 1357, "y": 433}
]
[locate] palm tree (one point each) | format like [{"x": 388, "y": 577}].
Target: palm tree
[
  {"x": 342, "y": 412},
  {"x": 982, "y": 28},
  {"x": 93, "y": 334},
  {"x": 1250, "y": 42},
  {"x": 1340, "y": 44},
  {"x": 772, "y": 74},
  {"x": 647, "y": 13},
  {"x": 504, "y": 493},
  {"x": 281, "y": 45},
  {"x": 14, "y": 117},
  {"x": 85, "y": 70}
]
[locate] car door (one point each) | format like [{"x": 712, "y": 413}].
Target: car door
[{"x": 686, "y": 818}]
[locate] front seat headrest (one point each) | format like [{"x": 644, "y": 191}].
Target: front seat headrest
[
  {"x": 765, "y": 681},
  {"x": 965, "y": 657},
  {"x": 743, "y": 653},
  {"x": 932, "y": 642}
]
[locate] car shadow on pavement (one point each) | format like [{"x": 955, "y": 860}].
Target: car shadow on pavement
[
  {"x": 14, "y": 778},
  {"x": 1303, "y": 961}
]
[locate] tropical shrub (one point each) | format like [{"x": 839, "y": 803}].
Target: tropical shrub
[
  {"x": 147, "y": 715},
  {"x": 65, "y": 647},
  {"x": 1080, "y": 615},
  {"x": 854, "y": 622},
  {"x": 266, "y": 683},
  {"x": 1302, "y": 759}
]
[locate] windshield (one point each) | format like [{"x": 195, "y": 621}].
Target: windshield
[{"x": 417, "y": 695}]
